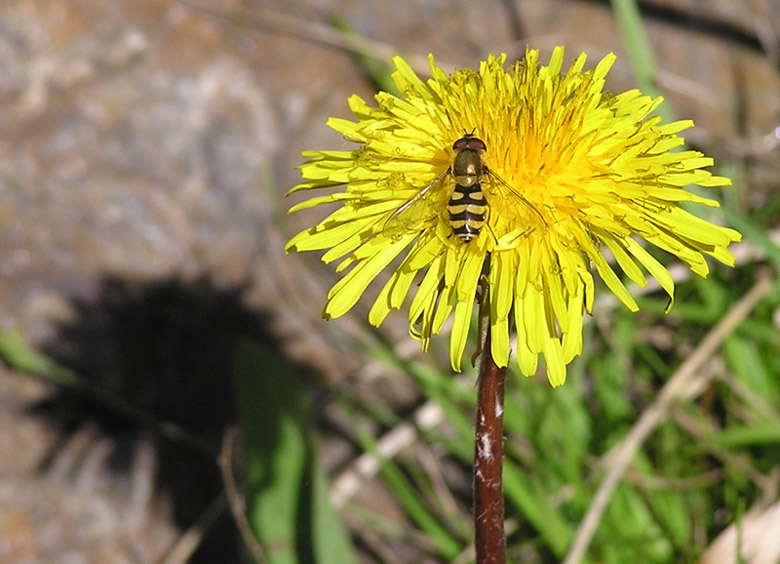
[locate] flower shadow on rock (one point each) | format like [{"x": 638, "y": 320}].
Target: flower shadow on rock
[{"x": 167, "y": 348}]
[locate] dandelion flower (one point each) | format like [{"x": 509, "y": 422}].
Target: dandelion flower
[{"x": 580, "y": 170}]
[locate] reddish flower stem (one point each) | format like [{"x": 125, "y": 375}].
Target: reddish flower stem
[{"x": 489, "y": 539}]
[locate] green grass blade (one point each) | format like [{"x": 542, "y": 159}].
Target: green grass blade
[
  {"x": 740, "y": 436},
  {"x": 756, "y": 234},
  {"x": 531, "y": 498},
  {"x": 15, "y": 352},
  {"x": 640, "y": 51},
  {"x": 409, "y": 498},
  {"x": 287, "y": 499},
  {"x": 378, "y": 70}
]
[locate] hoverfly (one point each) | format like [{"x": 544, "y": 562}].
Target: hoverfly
[{"x": 461, "y": 186}]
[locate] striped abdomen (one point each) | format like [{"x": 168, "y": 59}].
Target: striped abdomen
[{"x": 467, "y": 211}]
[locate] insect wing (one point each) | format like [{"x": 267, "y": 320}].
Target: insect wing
[
  {"x": 423, "y": 207},
  {"x": 492, "y": 177}
]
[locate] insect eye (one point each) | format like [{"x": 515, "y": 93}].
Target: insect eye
[
  {"x": 469, "y": 142},
  {"x": 477, "y": 144}
]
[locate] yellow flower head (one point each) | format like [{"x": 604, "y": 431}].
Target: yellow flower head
[{"x": 519, "y": 176}]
